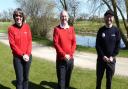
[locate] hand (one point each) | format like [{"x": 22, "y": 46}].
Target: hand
[
  {"x": 67, "y": 56},
  {"x": 111, "y": 59},
  {"x": 26, "y": 57},
  {"x": 106, "y": 59}
]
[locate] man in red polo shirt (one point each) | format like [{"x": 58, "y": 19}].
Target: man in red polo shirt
[{"x": 65, "y": 45}]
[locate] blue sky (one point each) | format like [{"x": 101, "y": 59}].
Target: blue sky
[
  {"x": 7, "y": 4},
  {"x": 85, "y": 7}
]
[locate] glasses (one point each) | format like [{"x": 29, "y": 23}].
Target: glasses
[{"x": 18, "y": 15}]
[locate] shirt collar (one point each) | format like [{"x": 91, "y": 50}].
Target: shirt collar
[
  {"x": 109, "y": 26},
  {"x": 64, "y": 26}
]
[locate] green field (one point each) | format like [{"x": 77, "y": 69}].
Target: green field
[
  {"x": 90, "y": 27},
  {"x": 82, "y": 27},
  {"x": 4, "y": 26},
  {"x": 43, "y": 75}
]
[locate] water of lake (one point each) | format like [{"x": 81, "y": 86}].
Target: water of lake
[{"x": 90, "y": 41}]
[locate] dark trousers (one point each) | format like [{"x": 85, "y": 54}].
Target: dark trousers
[
  {"x": 64, "y": 69},
  {"x": 101, "y": 67},
  {"x": 22, "y": 71}
]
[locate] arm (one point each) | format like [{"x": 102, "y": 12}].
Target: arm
[
  {"x": 12, "y": 43},
  {"x": 98, "y": 45},
  {"x": 117, "y": 46},
  {"x": 73, "y": 43},
  {"x": 29, "y": 42},
  {"x": 56, "y": 43}
]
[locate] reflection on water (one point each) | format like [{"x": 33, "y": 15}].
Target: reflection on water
[{"x": 90, "y": 41}]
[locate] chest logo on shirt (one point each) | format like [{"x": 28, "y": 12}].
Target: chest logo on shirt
[
  {"x": 113, "y": 35},
  {"x": 103, "y": 35},
  {"x": 25, "y": 32}
]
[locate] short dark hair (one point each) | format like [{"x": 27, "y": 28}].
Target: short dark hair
[
  {"x": 109, "y": 12},
  {"x": 16, "y": 11}
]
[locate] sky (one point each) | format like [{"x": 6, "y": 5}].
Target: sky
[
  {"x": 11, "y": 4},
  {"x": 7, "y": 4}
]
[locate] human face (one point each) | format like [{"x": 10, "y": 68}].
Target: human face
[
  {"x": 64, "y": 17},
  {"x": 18, "y": 19},
  {"x": 109, "y": 20}
]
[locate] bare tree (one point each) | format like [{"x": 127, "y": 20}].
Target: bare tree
[
  {"x": 72, "y": 7},
  {"x": 126, "y": 4},
  {"x": 40, "y": 13},
  {"x": 6, "y": 15},
  {"x": 83, "y": 16}
]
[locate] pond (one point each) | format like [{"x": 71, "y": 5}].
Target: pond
[{"x": 90, "y": 41}]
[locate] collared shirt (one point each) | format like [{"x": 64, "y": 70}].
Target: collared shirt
[
  {"x": 64, "y": 41},
  {"x": 108, "y": 26},
  {"x": 64, "y": 26},
  {"x": 20, "y": 40}
]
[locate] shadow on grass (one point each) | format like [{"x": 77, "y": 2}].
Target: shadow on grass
[
  {"x": 4, "y": 87},
  {"x": 42, "y": 85},
  {"x": 31, "y": 85},
  {"x": 50, "y": 85}
]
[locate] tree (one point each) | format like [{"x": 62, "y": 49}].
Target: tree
[
  {"x": 83, "y": 16},
  {"x": 6, "y": 15},
  {"x": 40, "y": 13},
  {"x": 116, "y": 6},
  {"x": 72, "y": 7}
]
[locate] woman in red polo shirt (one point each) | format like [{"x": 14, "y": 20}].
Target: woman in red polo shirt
[{"x": 20, "y": 40}]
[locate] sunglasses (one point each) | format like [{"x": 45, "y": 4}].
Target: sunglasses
[{"x": 18, "y": 15}]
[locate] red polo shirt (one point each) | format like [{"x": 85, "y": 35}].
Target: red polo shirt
[
  {"x": 20, "y": 39},
  {"x": 64, "y": 41}
]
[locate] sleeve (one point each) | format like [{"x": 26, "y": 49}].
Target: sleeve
[
  {"x": 73, "y": 42},
  {"x": 98, "y": 44},
  {"x": 117, "y": 46},
  {"x": 13, "y": 46},
  {"x": 29, "y": 49},
  {"x": 56, "y": 43}
]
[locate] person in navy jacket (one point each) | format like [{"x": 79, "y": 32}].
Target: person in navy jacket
[
  {"x": 65, "y": 45},
  {"x": 20, "y": 39},
  {"x": 107, "y": 47}
]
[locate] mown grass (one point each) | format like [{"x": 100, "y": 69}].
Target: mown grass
[
  {"x": 90, "y": 27},
  {"x": 4, "y": 26},
  {"x": 82, "y": 27},
  {"x": 43, "y": 74}
]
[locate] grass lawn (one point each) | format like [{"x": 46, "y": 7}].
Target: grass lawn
[
  {"x": 4, "y": 26},
  {"x": 84, "y": 27},
  {"x": 43, "y": 75}
]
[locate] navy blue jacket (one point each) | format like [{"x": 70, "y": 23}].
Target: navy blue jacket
[{"x": 108, "y": 41}]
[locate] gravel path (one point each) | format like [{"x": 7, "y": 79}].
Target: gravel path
[{"x": 82, "y": 59}]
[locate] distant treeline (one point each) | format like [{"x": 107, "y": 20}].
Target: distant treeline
[{"x": 5, "y": 20}]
